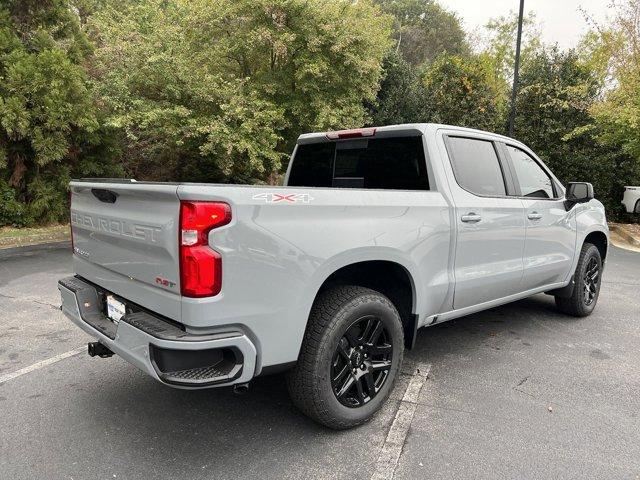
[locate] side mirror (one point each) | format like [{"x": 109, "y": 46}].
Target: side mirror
[{"x": 578, "y": 192}]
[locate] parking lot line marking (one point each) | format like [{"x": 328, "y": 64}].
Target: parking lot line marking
[
  {"x": 392, "y": 447},
  {"x": 23, "y": 371}
]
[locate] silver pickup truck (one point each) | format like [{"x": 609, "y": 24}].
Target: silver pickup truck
[{"x": 376, "y": 233}]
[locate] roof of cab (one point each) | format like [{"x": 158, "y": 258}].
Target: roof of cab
[{"x": 405, "y": 129}]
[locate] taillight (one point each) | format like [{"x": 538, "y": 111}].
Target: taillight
[
  {"x": 200, "y": 266},
  {"x": 354, "y": 133}
]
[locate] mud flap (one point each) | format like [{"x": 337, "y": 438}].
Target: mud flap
[
  {"x": 564, "y": 292},
  {"x": 410, "y": 326}
]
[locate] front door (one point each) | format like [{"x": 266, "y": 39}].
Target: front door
[{"x": 550, "y": 230}]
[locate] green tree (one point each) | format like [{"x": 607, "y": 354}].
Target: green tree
[
  {"x": 423, "y": 30},
  {"x": 459, "y": 91},
  {"x": 617, "y": 47},
  {"x": 47, "y": 117},
  {"x": 496, "y": 47},
  {"x": 497, "y": 43},
  {"x": 219, "y": 91},
  {"x": 401, "y": 97},
  {"x": 556, "y": 96},
  {"x": 613, "y": 51}
]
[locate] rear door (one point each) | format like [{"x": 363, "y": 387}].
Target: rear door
[
  {"x": 489, "y": 222},
  {"x": 550, "y": 230}
]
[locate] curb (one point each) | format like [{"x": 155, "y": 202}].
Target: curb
[
  {"x": 14, "y": 251},
  {"x": 627, "y": 236}
]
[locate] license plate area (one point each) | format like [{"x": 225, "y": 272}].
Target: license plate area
[{"x": 115, "y": 308}]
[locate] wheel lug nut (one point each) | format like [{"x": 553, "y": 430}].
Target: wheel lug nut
[
  {"x": 363, "y": 366},
  {"x": 355, "y": 370}
]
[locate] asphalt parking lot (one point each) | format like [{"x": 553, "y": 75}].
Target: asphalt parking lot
[{"x": 519, "y": 391}]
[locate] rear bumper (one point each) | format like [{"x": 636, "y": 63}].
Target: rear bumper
[{"x": 158, "y": 347}]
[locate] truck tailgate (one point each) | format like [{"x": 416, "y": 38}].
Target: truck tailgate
[{"x": 128, "y": 230}]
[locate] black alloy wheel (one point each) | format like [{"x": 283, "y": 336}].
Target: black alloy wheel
[
  {"x": 591, "y": 280},
  {"x": 587, "y": 280},
  {"x": 361, "y": 362},
  {"x": 350, "y": 356}
]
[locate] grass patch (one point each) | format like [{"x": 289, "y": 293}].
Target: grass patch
[{"x": 16, "y": 237}]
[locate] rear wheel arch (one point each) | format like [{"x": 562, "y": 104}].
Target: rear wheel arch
[{"x": 387, "y": 277}]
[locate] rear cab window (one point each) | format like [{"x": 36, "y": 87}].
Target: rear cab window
[{"x": 390, "y": 163}]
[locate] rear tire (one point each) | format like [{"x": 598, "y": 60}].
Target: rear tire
[
  {"x": 350, "y": 356},
  {"x": 587, "y": 284},
  {"x": 637, "y": 209}
]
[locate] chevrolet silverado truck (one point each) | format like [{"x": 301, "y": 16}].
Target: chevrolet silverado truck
[{"x": 377, "y": 232}]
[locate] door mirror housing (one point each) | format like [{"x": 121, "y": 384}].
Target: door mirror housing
[{"x": 578, "y": 192}]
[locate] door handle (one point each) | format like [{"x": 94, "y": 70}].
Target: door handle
[
  {"x": 534, "y": 216},
  {"x": 471, "y": 218}
]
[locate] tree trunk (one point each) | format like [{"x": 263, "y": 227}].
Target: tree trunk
[{"x": 19, "y": 169}]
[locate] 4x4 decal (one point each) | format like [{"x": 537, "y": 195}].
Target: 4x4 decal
[{"x": 284, "y": 197}]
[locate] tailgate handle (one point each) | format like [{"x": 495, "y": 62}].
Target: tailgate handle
[{"x": 106, "y": 196}]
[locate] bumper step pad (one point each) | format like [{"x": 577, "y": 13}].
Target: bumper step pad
[
  {"x": 203, "y": 373},
  {"x": 156, "y": 327},
  {"x": 202, "y": 376},
  {"x": 89, "y": 306},
  {"x": 206, "y": 367}
]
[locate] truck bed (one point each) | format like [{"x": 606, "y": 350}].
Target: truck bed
[{"x": 280, "y": 245}]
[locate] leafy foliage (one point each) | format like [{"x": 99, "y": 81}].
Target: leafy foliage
[
  {"x": 45, "y": 107},
  {"x": 459, "y": 92},
  {"x": 401, "y": 97},
  {"x": 553, "y": 117},
  {"x": 498, "y": 43},
  {"x": 618, "y": 49},
  {"x": 225, "y": 90},
  {"x": 219, "y": 90},
  {"x": 423, "y": 30},
  {"x": 12, "y": 212}
]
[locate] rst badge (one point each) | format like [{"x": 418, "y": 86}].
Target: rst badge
[
  {"x": 283, "y": 197},
  {"x": 165, "y": 283}
]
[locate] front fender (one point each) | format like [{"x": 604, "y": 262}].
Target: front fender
[{"x": 590, "y": 218}]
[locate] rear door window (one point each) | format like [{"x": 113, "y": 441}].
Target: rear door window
[
  {"x": 476, "y": 166},
  {"x": 396, "y": 163}
]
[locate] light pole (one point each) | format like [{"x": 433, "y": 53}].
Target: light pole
[{"x": 512, "y": 114}]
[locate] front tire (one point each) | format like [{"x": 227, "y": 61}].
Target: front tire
[
  {"x": 350, "y": 357},
  {"x": 587, "y": 284}
]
